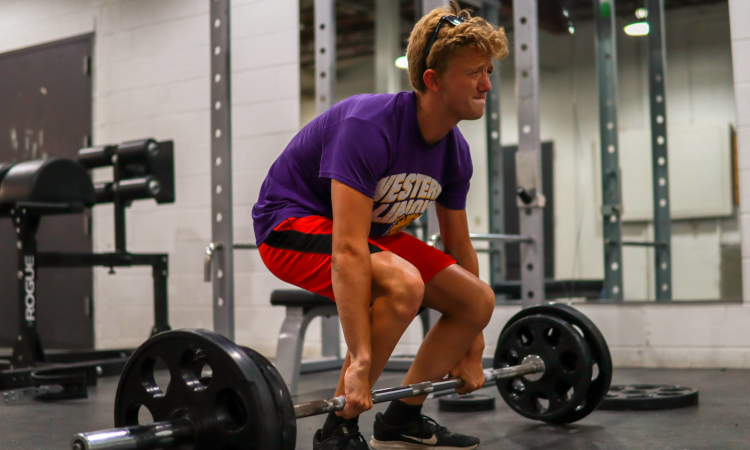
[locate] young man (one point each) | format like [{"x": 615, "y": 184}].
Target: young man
[{"x": 330, "y": 214}]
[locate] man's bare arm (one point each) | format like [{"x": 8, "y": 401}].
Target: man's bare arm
[
  {"x": 351, "y": 271},
  {"x": 454, "y": 232}
]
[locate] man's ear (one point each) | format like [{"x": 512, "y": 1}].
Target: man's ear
[{"x": 430, "y": 78}]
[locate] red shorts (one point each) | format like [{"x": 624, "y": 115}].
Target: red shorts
[{"x": 298, "y": 251}]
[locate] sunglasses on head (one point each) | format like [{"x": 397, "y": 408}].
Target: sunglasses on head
[{"x": 453, "y": 20}]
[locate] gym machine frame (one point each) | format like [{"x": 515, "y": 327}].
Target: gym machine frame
[{"x": 29, "y": 365}]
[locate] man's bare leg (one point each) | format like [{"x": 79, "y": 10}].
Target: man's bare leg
[
  {"x": 396, "y": 297},
  {"x": 466, "y": 304}
]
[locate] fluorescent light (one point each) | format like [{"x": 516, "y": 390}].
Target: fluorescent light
[
  {"x": 637, "y": 29},
  {"x": 402, "y": 62},
  {"x": 641, "y": 13},
  {"x": 571, "y": 30}
]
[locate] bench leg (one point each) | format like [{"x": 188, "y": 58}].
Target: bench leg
[
  {"x": 289, "y": 350},
  {"x": 428, "y": 317},
  {"x": 329, "y": 330}
]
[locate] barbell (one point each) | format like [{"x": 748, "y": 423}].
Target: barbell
[{"x": 551, "y": 364}]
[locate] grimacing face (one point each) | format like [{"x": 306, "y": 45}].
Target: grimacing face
[{"x": 465, "y": 83}]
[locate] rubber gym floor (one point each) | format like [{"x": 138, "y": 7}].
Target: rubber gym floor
[{"x": 721, "y": 421}]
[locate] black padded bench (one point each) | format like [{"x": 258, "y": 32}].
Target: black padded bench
[
  {"x": 301, "y": 308},
  {"x": 555, "y": 289}
]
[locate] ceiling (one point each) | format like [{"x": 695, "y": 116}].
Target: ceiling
[{"x": 355, "y": 34}]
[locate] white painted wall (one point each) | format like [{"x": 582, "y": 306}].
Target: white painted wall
[
  {"x": 151, "y": 78},
  {"x": 740, "y": 17}
]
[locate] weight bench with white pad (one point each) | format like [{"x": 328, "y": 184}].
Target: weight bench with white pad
[{"x": 301, "y": 308}]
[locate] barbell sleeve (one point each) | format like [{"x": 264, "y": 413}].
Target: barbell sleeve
[{"x": 167, "y": 434}]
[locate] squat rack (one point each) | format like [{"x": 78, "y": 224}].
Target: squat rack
[{"x": 606, "y": 59}]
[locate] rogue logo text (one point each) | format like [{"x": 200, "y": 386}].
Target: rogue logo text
[{"x": 29, "y": 288}]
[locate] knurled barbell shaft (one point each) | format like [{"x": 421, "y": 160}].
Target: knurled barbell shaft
[
  {"x": 171, "y": 433},
  {"x": 531, "y": 365}
]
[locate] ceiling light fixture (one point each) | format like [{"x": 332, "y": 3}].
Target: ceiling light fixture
[{"x": 637, "y": 29}]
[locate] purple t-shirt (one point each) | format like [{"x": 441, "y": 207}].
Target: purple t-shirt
[{"x": 372, "y": 143}]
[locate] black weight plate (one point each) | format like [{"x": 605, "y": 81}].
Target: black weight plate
[
  {"x": 648, "y": 397},
  {"x": 231, "y": 409},
  {"x": 466, "y": 403},
  {"x": 71, "y": 380},
  {"x": 555, "y": 394},
  {"x": 597, "y": 345},
  {"x": 281, "y": 395}
]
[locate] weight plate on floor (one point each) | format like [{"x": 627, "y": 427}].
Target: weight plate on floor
[
  {"x": 648, "y": 397},
  {"x": 555, "y": 394},
  {"x": 602, "y": 360},
  {"x": 466, "y": 403},
  {"x": 280, "y": 393},
  {"x": 211, "y": 381},
  {"x": 61, "y": 383}
]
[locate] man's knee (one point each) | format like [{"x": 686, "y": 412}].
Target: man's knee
[
  {"x": 485, "y": 305},
  {"x": 405, "y": 294},
  {"x": 479, "y": 309}
]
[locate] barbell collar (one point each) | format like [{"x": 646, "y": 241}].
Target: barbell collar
[
  {"x": 167, "y": 434},
  {"x": 530, "y": 365}
]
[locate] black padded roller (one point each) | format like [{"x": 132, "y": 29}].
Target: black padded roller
[
  {"x": 47, "y": 181},
  {"x": 137, "y": 151},
  {"x": 4, "y": 168},
  {"x": 96, "y": 156},
  {"x": 133, "y": 189}
]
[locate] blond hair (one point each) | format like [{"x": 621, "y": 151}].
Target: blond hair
[{"x": 474, "y": 32}]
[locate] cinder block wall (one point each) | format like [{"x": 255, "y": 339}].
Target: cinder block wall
[
  {"x": 151, "y": 78},
  {"x": 740, "y": 18}
]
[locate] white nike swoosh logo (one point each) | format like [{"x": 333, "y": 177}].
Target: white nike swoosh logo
[{"x": 430, "y": 441}]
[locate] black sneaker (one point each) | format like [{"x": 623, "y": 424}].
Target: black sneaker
[
  {"x": 346, "y": 436},
  {"x": 422, "y": 433}
]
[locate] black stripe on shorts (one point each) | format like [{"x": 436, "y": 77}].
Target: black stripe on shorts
[{"x": 306, "y": 243}]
